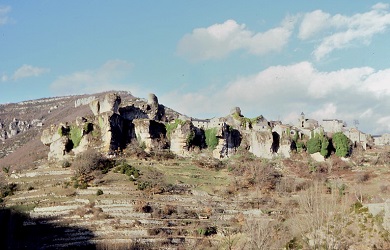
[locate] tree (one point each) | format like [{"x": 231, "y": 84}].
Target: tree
[
  {"x": 341, "y": 144},
  {"x": 324, "y": 147},
  {"x": 211, "y": 138},
  {"x": 314, "y": 145}
]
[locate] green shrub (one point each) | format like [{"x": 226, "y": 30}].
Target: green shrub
[
  {"x": 75, "y": 135},
  {"x": 125, "y": 168},
  {"x": 341, "y": 143},
  {"x": 313, "y": 145},
  {"x": 99, "y": 192},
  {"x": 324, "y": 147},
  {"x": 207, "y": 231},
  {"x": 211, "y": 138},
  {"x": 7, "y": 190},
  {"x": 88, "y": 127},
  {"x": 63, "y": 131},
  {"x": 65, "y": 164},
  {"x": 143, "y": 185},
  {"x": 170, "y": 127}
]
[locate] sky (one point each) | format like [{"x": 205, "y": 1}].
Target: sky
[{"x": 328, "y": 59}]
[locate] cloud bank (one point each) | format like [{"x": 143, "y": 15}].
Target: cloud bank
[
  {"x": 219, "y": 40},
  {"x": 110, "y": 76},
  {"x": 328, "y": 32},
  {"x": 4, "y": 10},
  {"x": 29, "y": 71},
  {"x": 340, "y": 31},
  {"x": 285, "y": 91}
]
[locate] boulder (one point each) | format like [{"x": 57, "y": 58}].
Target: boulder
[
  {"x": 110, "y": 103},
  {"x": 235, "y": 110},
  {"x": 51, "y": 135},
  {"x": 58, "y": 149},
  {"x": 150, "y": 134},
  {"x": 178, "y": 138},
  {"x": 260, "y": 143},
  {"x": 317, "y": 157},
  {"x": 229, "y": 140},
  {"x": 152, "y": 100},
  {"x": 95, "y": 107}
]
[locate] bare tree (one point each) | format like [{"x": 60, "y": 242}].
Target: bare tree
[
  {"x": 322, "y": 218},
  {"x": 265, "y": 233}
]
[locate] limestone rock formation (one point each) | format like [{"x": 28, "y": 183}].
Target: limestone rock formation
[
  {"x": 95, "y": 107},
  {"x": 143, "y": 121},
  {"x": 110, "y": 103},
  {"x": 51, "y": 134},
  {"x": 259, "y": 143},
  {"x": 152, "y": 100},
  {"x": 150, "y": 134},
  {"x": 58, "y": 149},
  {"x": 185, "y": 137},
  {"x": 58, "y": 143},
  {"x": 229, "y": 140}
]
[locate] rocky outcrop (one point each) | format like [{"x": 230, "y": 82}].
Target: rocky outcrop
[
  {"x": 185, "y": 137},
  {"x": 110, "y": 103},
  {"x": 84, "y": 101},
  {"x": 58, "y": 149},
  {"x": 150, "y": 134},
  {"x": 259, "y": 143},
  {"x": 116, "y": 132},
  {"x": 144, "y": 122},
  {"x": 51, "y": 134},
  {"x": 229, "y": 139},
  {"x": 16, "y": 126},
  {"x": 57, "y": 142}
]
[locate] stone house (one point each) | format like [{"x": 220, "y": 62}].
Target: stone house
[
  {"x": 356, "y": 136},
  {"x": 208, "y": 123},
  {"x": 382, "y": 140},
  {"x": 332, "y": 125}
]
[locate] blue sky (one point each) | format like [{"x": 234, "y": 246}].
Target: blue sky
[{"x": 329, "y": 59}]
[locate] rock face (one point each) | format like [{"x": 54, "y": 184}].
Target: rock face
[
  {"x": 58, "y": 144},
  {"x": 260, "y": 143},
  {"x": 110, "y": 103},
  {"x": 229, "y": 140},
  {"x": 150, "y": 134},
  {"x": 144, "y": 123},
  {"x": 16, "y": 126},
  {"x": 185, "y": 137}
]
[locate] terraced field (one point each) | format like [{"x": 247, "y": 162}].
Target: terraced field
[{"x": 124, "y": 215}]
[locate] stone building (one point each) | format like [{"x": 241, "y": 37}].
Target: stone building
[
  {"x": 332, "y": 125},
  {"x": 382, "y": 140}
]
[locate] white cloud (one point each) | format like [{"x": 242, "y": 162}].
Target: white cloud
[
  {"x": 110, "y": 76},
  {"x": 383, "y": 124},
  {"x": 328, "y": 110},
  {"x": 4, "y": 10},
  {"x": 218, "y": 40},
  {"x": 312, "y": 23},
  {"x": 28, "y": 71},
  {"x": 4, "y": 78},
  {"x": 380, "y": 6},
  {"x": 340, "y": 31},
  {"x": 285, "y": 91},
  {"x": 378, "y": 83}
]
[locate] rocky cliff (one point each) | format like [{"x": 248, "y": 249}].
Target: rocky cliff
[{"x": 114, "y": 125}]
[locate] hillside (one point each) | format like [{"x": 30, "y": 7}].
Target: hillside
[{"x": 142, "y": 176}]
